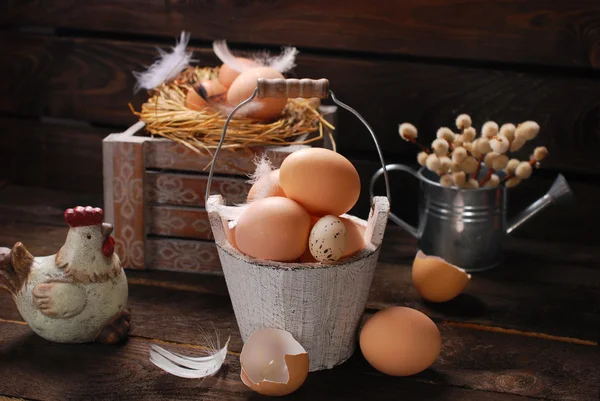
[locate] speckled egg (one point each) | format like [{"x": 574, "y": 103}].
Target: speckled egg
[{"x": 327, "y": 241}]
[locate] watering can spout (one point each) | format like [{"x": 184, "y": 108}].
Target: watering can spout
[{"x": 559, "y": 191}]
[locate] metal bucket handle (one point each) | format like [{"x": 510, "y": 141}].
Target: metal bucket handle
[{"x": 291, "y": 88}]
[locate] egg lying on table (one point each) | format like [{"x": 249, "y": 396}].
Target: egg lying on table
[
  {"x": 266, "y": 109},
  {"x": 322, "y": 181},
  {"x": 273, "y": 363},
  {"x": 273, "y": 228},
  {"x": 327, "y": 241},
  {"x": 400, "y": 341},
  {"x": 437, "y": 280}
]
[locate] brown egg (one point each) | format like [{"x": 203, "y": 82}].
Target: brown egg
[
  {"x": 213, "y": 90},
  {"x": 322, "y": 181},
  {"x": 227, "y": 74},
  {"x": 266, "y": 109},
  {"x": 400, "y": 341},
  {"x": 274, "y": 228},
  {"x": 273, "y": 363},
  {"x": 266, "y": 187},
  {"x": 437, "y": 280},
  {"x": 229, "y": 227},
  {"x": 355, "y": 239}
]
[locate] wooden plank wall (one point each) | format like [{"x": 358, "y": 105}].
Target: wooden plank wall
[{"x": 67, "y": 80}]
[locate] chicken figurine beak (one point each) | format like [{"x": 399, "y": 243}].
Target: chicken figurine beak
[{"x": 107, "y": 229}]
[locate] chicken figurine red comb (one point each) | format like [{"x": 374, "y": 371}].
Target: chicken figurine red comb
[
  {"x": 77, "y": 295},
  {"x": 84, "y": 216}
]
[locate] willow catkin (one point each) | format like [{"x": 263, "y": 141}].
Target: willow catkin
[
  {"x": 483, "y": 146},
  {"x": 408, "y": 132},
  {"x": 469, "y": 165},
  {"x": 472, "y": 183},
  {"x": 460, "y": 179},
  {"x": 432, "y": 162},
  {"x": 527, "y": 130},
  {"x": 540, "y": 153},
  {"x": 508, "y": 130},
  {"x": 511, "y": 166},
  {"x": 517, "y": 143},
  {"x": 500, "y": 162},
  {"x": 489, "y": 159},
  {"x": 422, "y": 158},
  {"x": 500, "y": 144},
  {"x": 440, "y": 147},
  {"x": 512, "y": 182},
  {"x": 445, "y": 133},
  {"x": 493, "y": 181},
  {"x": 445, "y": 164},
  {"x": 459, "y": 154},
  {"x": 523, "y": 170},
  {"x": 463, "y": 121},
  {"x": 455, "y": 167},
  {"x": 469, "y": 134},
  {"x": 446, "y": 180},
  {"x": 489, "y": 129}
]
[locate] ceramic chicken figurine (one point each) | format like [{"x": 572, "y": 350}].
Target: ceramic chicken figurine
[{"x": 78, "y": 295}]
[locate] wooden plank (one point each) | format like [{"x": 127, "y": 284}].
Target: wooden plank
[
  {"x": 190, "y": 256},
  {"x": 189, "y": 189},
  {"x": 546, "y": 32},
  {"x": 476, "y": 359},
  {"x": 179, "y": 222},
  {"x": 386, "y": 92},
  {"x": 57, "y": 154},
  {"x": 34, "y": 368}
]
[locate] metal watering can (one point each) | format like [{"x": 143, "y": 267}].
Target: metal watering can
[{"x": 466, "y": 227}]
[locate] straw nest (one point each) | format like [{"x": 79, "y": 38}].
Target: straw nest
[{"x": 166, "y": 115}]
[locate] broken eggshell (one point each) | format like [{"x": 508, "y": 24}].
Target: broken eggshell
[
  {"x": 273, "y": 362},
  {"x": 437, "y": 280}
]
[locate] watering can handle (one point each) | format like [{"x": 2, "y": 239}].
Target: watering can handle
[
  {"x": 401, "y": 167},
  {"x": 285, "y": 88}
]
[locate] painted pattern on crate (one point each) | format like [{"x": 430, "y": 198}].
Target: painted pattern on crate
[
  {"x": 179, "y": 222},
  {"x": 128, "y": 204},
  {"x": 183, "y": 255},
  {"x": 171, "y": 155},
  {"x": 189, "y": 190}
]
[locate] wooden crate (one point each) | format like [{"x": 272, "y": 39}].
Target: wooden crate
[{"x": 154, "y": 196}]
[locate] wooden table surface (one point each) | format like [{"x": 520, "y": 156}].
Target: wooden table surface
[{"x": 526, "y": 330}]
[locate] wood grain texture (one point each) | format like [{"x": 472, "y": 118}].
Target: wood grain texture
[
  {"x": 470, "y": 359},
  {"x": 57, "y": 155},
  {"x": 386, "y": 92},
  {"x": 179, "y": 222},
  {"x": 563, "y": 33},
  {"x": 192, "y": 256},
  {"x": 189, "y": 189},
  {"x": 36, "y": 369}
]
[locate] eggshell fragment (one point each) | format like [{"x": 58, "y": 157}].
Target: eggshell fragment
[
  {"x": 265, "y": 109},
  {"x": 437, "y": 280},
  {"x": 227, "y": 74},
  {"x": 266, "y": 186},
  {"x": 400, "y": 341},
  {"x": 194, "y": 101},
  {"x": 321, "y": 180},
  {"x": 327, "y": 241},
  {"x": 273, "y": 362},
  {"x": 212, "y": 89},
  {"x": 274, "y": 228}
]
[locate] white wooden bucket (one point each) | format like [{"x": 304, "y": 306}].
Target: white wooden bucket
[{"x": 321, "y": 305}]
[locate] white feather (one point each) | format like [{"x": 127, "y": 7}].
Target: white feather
[
  {"x": 224, "y": 54},
  {"x": 167, "y": 67},
  {"x": 232, "y": 212},
  {"x": 282, "y": 63},
  {"x": 190, "y": 367},
  {"x": 262, "y": 174}
]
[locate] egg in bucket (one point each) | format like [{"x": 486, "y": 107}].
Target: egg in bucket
[{"x": 319, "y": 303}]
